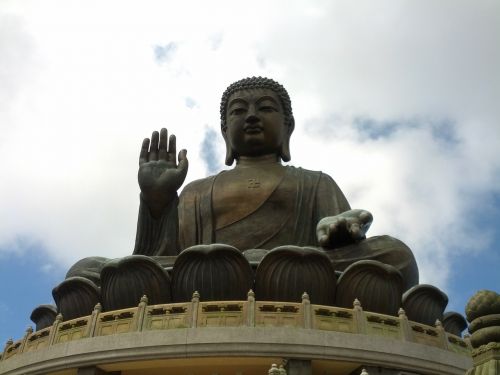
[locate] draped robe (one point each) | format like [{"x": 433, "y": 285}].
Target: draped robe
[{"x": 288, "y": 216}]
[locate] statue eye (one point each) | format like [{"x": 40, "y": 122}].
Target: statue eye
[
  {"x": 237, "y": 111},
  {"x": 268, "y": 108}
]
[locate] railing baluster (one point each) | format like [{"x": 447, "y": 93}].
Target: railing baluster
[
  {"x": 251, "y": 308},
  {"x": 140, "y": 316},
  {"x": 359, "y": 317},
  {"x": 194, "y": 311},
  {"x": 306, "y": 307}
]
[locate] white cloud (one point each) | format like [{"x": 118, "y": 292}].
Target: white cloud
[
  {"x": 47, "y": 268},
  {"x": 84, "y": 88}
]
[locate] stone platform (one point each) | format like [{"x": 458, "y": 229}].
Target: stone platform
[{"x": 236, "y": 337}]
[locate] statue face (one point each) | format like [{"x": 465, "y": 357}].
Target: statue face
[{"x": 255, "y": 123}]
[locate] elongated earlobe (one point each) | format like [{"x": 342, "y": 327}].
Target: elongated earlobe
[
  {"x": 229, "y": 155},
  {"x": 285, "y": 146},
  {"x": 285, "y": 150},
  {"x": 229, "y": 151}
]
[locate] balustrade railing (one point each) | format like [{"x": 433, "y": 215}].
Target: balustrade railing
[{"x": 250, "y": 313}]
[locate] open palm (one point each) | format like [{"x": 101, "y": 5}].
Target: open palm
[{"x": 160, "y": 175}]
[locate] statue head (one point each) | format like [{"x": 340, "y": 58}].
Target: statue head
[{"x": 256, "y": 119}]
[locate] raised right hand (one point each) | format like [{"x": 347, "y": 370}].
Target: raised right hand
[{"x": 159, "y": 174}]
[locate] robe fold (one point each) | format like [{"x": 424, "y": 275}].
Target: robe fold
[{"x": 288, "y": 217}]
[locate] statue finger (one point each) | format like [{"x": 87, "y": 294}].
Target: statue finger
[
  {"x": 324, "y": 241},
  {"x": 365, "y": 217},
  {"x": 183, "y": 162},
  {"x": 143, "y": 157},
  {"x": 172, "y": 147},
  {"x": 355, "y": 231},
  {"x": 153, "y": 150},
  {"x": 322, "y": 236},
  {"x": 334, "y": 230},
  {"x": 162, "y": 148},
  {"x": 333, "y": 227},
  {"x": 339, "y": 225}
]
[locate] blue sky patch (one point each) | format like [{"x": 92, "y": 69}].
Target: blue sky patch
[
  {"x": 208, "y": 151},
  {"x": 442, "y": 130},
  {"x": 374, "y": 129},
  {"x": 164, "y": 53},
  {"x": 30, "y": 278}
]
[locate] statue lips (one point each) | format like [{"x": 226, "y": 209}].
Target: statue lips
[{"x": 253, "y": 128}]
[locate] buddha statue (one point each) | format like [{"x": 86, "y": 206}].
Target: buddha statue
[
  {"x": 260, "y": 203},
  {"x": 294, "y": 226}
]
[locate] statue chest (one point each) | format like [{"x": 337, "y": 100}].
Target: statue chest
[{"x": 238, "y": 193}]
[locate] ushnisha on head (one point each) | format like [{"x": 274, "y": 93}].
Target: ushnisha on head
[{"x": 252, "y": 92}]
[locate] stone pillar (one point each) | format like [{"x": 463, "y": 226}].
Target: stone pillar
[
  {"x": 7, "y": 345},
  {"x": 359, "y": 317},
  {"x": 486, "y": 360},
  {"x": 28, "y": 333},
  {"x": 251, "y": 308},
  {"x": 298, "y": 367},
  {"x": 306, "y": 306},
  {"x": 483, "y": 312},
  {"x": 442, "y": 334},
  {"x": 141, "y": 312},
  {"x": 90, "y": 331},
  {"x": 195, "y": 302},
  {"x": 406, "y": 332},
  {"x": 55, "y": 327}
]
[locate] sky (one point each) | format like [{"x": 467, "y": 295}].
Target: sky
[{"x": 399, "y": 101}]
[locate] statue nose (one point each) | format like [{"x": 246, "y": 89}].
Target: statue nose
[{"x": 252, "y": 118}]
